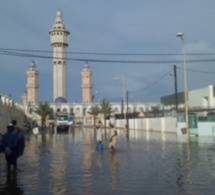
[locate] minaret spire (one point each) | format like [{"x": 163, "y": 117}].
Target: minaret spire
[{"x": 59, "y": 19}]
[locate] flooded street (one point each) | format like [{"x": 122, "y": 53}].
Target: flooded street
[{"x": 64, "y": 163}]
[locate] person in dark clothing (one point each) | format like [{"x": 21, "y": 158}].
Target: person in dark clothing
[
  {"x": 13, "y": 144},
  {"x": 21, "y": 138}
]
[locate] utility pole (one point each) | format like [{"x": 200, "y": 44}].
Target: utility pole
[
  {"x": 122, "y": 107},
  {"x": 127, "y": 121},
  {"x": 176, "y": 89}
]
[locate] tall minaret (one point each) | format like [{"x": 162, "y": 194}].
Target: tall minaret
[
  {"x": 59, "y": 42},
  {"x": 86, "y": 84},
  {"x": 32, "y": 83}
]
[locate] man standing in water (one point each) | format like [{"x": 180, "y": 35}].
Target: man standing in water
[
  {"x": 21, "y": 138},
  {"x": 113, "y": 137},
  {"x": 13, "y": 144}
]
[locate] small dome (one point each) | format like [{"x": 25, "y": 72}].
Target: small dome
[
  {"x": 86, "y": 67},
  {"x": 60, "y": 100},
  {"x": 32, "y": 66}
]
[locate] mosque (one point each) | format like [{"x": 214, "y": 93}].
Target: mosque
[{"x": 59, "y": 36}]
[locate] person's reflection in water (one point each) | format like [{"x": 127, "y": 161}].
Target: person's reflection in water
[
  {"x": 126, "y": 132},
  {"x": 113, "y": 170},
  {"x": 12, "y": 186}
]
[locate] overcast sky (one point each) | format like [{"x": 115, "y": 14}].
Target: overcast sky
[{"x": 110, "y": 26}]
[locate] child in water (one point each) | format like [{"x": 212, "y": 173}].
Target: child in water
[{"x": 99, "y": 138}]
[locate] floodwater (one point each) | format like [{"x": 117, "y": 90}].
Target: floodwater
[{"x": 64, "y": 163}]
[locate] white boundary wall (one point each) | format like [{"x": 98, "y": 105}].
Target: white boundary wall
[{"x": 163, "y": 124}]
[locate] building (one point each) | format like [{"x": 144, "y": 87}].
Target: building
[
  {"x": 31, "y": 95},
  {"x": 86, "y": 86},
  {"x": 203, "y": 98},
  {"x": 59, "y": 42}
]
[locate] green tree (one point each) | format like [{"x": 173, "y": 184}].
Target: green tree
[
  {"x": 43, "y": 109},
  {"x": 95, "y": 112},
  {"x": 105, "y": 109},
  {"x": 155, "y": 110}
]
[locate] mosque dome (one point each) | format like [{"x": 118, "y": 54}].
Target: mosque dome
[{"x": 60, "y": 100}]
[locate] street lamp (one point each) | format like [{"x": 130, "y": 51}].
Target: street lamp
[
  {"x": 99, "y": 91},
  {"x": 181, "y": 35},
  {"x": 123, "y": 88}
]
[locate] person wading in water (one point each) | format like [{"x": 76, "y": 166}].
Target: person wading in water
[{"x": 113, "y": 138}]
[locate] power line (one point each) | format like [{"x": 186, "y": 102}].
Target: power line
[
  {"x": 153, "y": 83},
  {"x": 200, "y": 71},
  {"x": 106, "y": 61},
  {"x": 103, "y": 53}
]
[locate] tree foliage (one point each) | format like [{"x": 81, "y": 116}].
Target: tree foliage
[
  {"x": 43, "y": 109},
  {"x": 95, "y": 112},
  {"x": 105, "y": 109}
]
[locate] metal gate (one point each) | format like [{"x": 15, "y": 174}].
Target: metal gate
[{"x": 193, "y": 124}]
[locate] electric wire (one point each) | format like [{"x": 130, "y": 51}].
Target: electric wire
[
  {"x": 200, "y": 71},
  {"x": 103, "y": 53},
  {"x": 106, "y": 61},
  {"x": 13, "y": 52},
  {"x": 153, "y": 83},
  {"x": 166, "y": 74}
]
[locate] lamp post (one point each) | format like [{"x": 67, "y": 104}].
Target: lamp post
[
  {"x": 181, "y": 35},
  {"x": 99, "y": 91},
  {"x": 123, "y": 89}
]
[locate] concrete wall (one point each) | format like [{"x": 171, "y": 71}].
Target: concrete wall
[
  {"x": 10, "y": 110},
  {"x": 162, "y": 124}
]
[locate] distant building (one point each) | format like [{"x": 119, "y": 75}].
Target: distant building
[
  {"x": 86, "y": 86},
  {"x": 59, "y": 42},
  {"x": 200, "y": 99},
  {"x": 31, "y": 95}
]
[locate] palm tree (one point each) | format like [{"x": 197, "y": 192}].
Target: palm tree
[
  {"x": 94, "y": 111},
  {"x": 43, "y": 109},
  {"x": 105, "y": 109}
]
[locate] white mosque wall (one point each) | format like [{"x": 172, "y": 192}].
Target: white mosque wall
[{"x": 83, "y": 109}]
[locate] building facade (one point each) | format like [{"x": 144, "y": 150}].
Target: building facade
[{"x": 203, "y": 98}]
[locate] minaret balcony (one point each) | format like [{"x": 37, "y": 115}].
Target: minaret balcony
[{"x": 59, "y": 39}]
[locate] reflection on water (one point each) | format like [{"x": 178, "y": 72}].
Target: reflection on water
[
  {"x": 58, "y": 163},
  {"x": 113, "y": 169},
  {"x": 9, "y": 184}
]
